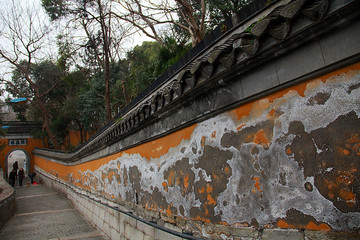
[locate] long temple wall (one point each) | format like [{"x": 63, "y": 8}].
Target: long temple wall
[
  {"x": 272, "y": 152},
  {"x": 288, "y": 160}
]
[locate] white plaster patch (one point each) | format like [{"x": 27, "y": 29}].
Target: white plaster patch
[{"x": 277, "y": 194}]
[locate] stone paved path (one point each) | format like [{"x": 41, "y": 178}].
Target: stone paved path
[{"x": 42, "y": 213}]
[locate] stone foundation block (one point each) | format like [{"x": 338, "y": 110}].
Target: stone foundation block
[
  {"x": 279, "y": 234},
  {"x": 325, "y": 235},
  {"x": 147, "y": 229}
]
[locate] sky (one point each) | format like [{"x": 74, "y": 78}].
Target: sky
[{"x": 49, "y": 48}]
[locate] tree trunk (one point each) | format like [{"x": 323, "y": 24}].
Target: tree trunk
[
  {"x": 127, "y": 101},
  {"x": 81, "y": 130},
  {"x": 107, "y": 89},
  {"x": 106, "y": 45},
  {"x": 46, "y": 126},
  {"x": 52, "y": 137}
]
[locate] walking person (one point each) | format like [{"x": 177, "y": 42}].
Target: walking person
[
  {"x": 21, "y": 176},
  {"x": 12, "y": 177},
  {"x": 16, "y": 167}
]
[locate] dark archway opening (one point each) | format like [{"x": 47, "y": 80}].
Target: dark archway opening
[{"x": 21, "y": 157}]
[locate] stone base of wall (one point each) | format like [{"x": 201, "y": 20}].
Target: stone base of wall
[
  {"x": 7, "y": 200},
  {"x": 7, "y": 210},
  {"x": 117, "y": 223}
]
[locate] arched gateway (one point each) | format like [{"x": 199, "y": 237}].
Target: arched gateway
[
  {"x": 19, "y": 155},
  {"x": 18, "y": 145}
]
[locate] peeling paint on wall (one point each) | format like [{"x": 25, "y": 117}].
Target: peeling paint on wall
[{"x": 289, "y": 160}]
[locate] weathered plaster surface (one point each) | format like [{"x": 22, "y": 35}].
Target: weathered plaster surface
[{"x": 289, "y": 160}]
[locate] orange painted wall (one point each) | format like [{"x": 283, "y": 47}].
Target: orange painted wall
[
  {"x": 31, "y": 144},
  {"x": 148, "y": 150},
  {"x": 74, "y": 138},
  {"x": 337, "y": 189}
]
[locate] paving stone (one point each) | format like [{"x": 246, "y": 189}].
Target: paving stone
[
  {"x": 97, "y": 221},
  {"x": 33, "y": 222},
  {"x": 122, "y": 227},
  {"x": 160, "y": 235},
  {"x": 148, "y": 238},
  {"x": 102, "y": 213},
  {"x": 113, "y": 222},
  {"x": 147, "y": 229},
  {"x": 107, "y": 216},
  {"x": 246, "y": 233},
  {"x": 128, "y": 230},
  {"x": 106, "y": 229},
  {"x": 327, "y": 235},
  {"x": 114, "y": 233},
  {"x": 96, "y": 210},
  {"x": 138, "y": 235},
  {"x": 132, "y": 221},
  {"x": 280, "y": 234}
]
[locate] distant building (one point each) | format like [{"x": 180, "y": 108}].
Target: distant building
[{"x": 6, "y": 112}]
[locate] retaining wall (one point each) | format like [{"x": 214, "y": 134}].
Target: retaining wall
[{"x": 7, "y": 200}]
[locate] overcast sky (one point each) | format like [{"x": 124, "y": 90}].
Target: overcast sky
[{"x": 49, "y": 48}]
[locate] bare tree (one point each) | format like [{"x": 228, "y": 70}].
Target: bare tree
[
  {"x": 23, "y": 36},
  {"x": 99, "y": 34},
  {"x": 149, "y": 15}
]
